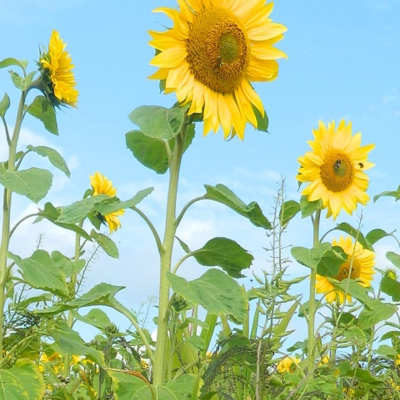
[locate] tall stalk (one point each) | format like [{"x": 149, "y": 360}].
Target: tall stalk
[
  {"x": 166, "y": 256},
  {"x": 311, "y": 303},
  {"x": 5, "y": 233}
]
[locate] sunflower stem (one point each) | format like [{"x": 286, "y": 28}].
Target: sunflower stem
[
  {"x": 312, "y": 304},
  {"x": 166, "y": 256},
  {"x": 5, "y": 233}
]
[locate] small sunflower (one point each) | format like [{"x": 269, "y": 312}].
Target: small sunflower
[
  {"x": 212, "y": 53},
  {"x": 288, "y": 364},
  {"x": 335, "y": 168},
  {"x": 359, "y": 265},
  {"x": 56, "y": 69},
  {"x": 102, "y": 185}
]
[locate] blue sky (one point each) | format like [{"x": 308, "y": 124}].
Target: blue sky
[{"x": 343, "y": 62}]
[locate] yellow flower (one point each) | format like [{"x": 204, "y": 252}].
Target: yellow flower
[
  {"x": 397, "y": 360},
  {"x": 359, "y": 265},
  {"x": 212, "y": 53},
  {"x": 288, "y": 364},
  {"x": 102, "y": 185},
  {"x": 56, "y": 68},
  {"x": 335, "y": 168}
]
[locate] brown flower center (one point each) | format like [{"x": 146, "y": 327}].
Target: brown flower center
[
  {"x": 349, "y": 269},
  {"x": 337, "y": 171},
  {"x": 218, "y": 49}
]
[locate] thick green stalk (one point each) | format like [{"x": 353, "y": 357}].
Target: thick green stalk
[
  {"x": 5, "y": 232},
  {"x": 312, "y": 304},
  {"x": 165, "y": 258}
]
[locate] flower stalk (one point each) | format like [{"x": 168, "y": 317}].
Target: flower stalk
[{"x": 166, "y": 257}]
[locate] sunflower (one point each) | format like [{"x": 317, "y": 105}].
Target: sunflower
[
  {"x": 213, "y": 51},
  {"x": 288, "y": 364},
  {"x": 359, "y": 265},
  {"x": 102, "y": 185},
  {"x": 56, "y": 69},
  {"x": 335, "y": 168}
]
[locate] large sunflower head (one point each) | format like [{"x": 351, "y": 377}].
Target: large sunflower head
[
  {"x": 56, "y": 67},
  {"x": 335, "y": 168},
  {"x": 101, "y": 185},
  {"x": 359, "y": 266},
  {"x": 212, "y": 53}
]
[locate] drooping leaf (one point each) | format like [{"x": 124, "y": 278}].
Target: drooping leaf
[
  {"x": 77, "y": 211},
  {"x": 353, "y": 288},
  {"x": 150, "y": 152},
  {"x": 107, "y": 244},
  {"x": 101, "y": 294},
  {"x": 41, "y": 272},
  {"x": 224, "y": 253},
  {"x": 54, "y": 157},
  {"x": 217, "y": 292},
  {"x": 22, "y": 381},
  {"x": 52, "y": 214},
  {"x": 375, "y": 235},
  {"x": 355, "y": 233},
  {"x": 252, "y": 211},
  {"x": 393, "y": 258},
  {"x": 4, "y": 105},
  {"x": 42, "y": 109},
  {"x": 34, "y": 183},
  {"x": 310, "y": 257},
  {"x": 158, "y": 122},
  {"x": 391, "y": 287},
  {"x": 66, "y": 265},
  {"x": 116, "y": 205},
  {"x": 288, "y": 211},
  {"x": 8, "y": 62},
  {"x": 389, "y": 193},
  {"x": 71, "y": 343},
  {"x": 95, "y": 317},
  {"x": 308, "y": 208},
  {"x": 379, "y": 313}
]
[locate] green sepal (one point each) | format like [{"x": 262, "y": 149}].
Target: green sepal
[{"x": 262, "y": 120}]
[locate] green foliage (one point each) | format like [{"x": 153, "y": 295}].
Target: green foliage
[
  {"x": 42, "y": 109},
  {"x": 4, "y": 105},
  {"x": 106, "y": 244},
  {"x": 54, "y": 157}
]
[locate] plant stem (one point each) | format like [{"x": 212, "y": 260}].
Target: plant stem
[
  {"x": 311, "y": 304},
  {"x": 166, "y": 256},
  {"x": 5, "y": 233}
]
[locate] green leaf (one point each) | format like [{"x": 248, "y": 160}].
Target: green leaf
[
  {"x": 393, "y": 193},
  {"x": 42, "y": 109},
  {"x": 224, "y": 253},
  {"x": 71, "y": 343},
  {"x": 391, "y": 287},
  {"x": 34, "y": 183},
  {"x": 262, "y": 120},
  {"x": 66, "y": 265},
  {"x": 41, "y": 272},
  {"x": 54, "y": 157},
  {"x": 330, "y": 262},
  {"x": 22, "y": 381},
  {"x": 352, "y": 288},
  {"x": 8, "y": 62},
  {"x": 4, "y": 105},
  {"x": 52, "y": 214},
  {"x": 387, "y": 351},
  {"x": 375, "y": 235},
  {"x": 17, "y": 80},
  {"x": 369, "y": 318},
  {"x": 393, "y": 258},
  {"x": 127, "y": 386},
  {"x": 355, "y": 233},
  {"x": 184, "y": 246},
  {"x": 217, "y": 292},
  {"x": 106, "y": 244},
  {"x": 95, "y": 317},
  {"x": 116, "y": 205},
  {"x": 310, "y": 257},
  {"x": 288, "y": 211},
  {"x": 101, "y": 294},
  {"x": 77, "y": 211},
  {"x": 158, "y": 122},
  {"x": 150, "y": 152},
  {"x": 308, "y": 208},
  {"x": 252, "y": 211}
]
